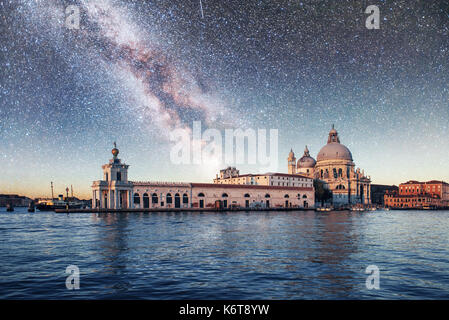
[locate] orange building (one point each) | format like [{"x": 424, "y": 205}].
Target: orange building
[{"x": 415, "y": 194}]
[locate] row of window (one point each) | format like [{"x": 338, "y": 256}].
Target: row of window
[
  {"x": 185, "y": 197},
  {"x": 286, "y": 184},
  {"x": 336, "y": 174},
  {"x": 155, "y": 199},
  {"x": 118, "y": 176},
  {"x": 407, "y": 200}
]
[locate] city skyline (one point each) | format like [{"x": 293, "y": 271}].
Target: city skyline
[{"x": 135, "y": 71}]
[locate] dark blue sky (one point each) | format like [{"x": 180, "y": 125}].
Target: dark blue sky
[{"x": 137, "y": 69}]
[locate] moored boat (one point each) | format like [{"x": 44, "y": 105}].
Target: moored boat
[
  {"x": 31, "y": 207},
  {"x": 59, "y": 203},
  {"x": 53, "y": 204}
]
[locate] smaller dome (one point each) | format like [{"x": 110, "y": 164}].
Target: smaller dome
[{"x": 306, "y": 161}]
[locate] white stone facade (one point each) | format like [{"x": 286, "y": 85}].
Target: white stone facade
[
  {"x": 271, "y": 190},
  {"x": 265, "y": 179},
  {"x": 336, "y": 168}
]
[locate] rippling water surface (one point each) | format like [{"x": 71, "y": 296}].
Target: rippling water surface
[{"x": 239, "y": 255}]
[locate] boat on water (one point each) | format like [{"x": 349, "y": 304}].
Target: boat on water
[
  {"x": 59, "y": 203},
  {"x": 323, "y": 209},
  {"x": 31, "y": 207},
  {"x": 9, "y": 207},
  {"x": 53, "y": 204}
]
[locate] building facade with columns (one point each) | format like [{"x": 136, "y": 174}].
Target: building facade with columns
[
  {"x": 334, "y": 166},
  {"x": 115, "y": 191}
]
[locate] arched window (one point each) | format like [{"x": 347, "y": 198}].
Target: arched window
[
  {"x": 177, "y": 200},
  {"x": 224, "y": 195},
  {"x": 299, "y": 196},
  {"x": 146, "y": 200},
  {"x": 267, "y": 195},
  {"x": 200, "y": 194},
  {"x": 335, "y": 173},
  {"x": 169, "y": 198},
  {"x": 185, "y": 198},
  {"x": 136, "y": 198},
  {"x": 154, "y": 198},
  {"x": 246, "y": 195},
  {"x": 340, "y": 172},
  {"x": 286, "y": 196},
  {"x": 304, "y": 196}
]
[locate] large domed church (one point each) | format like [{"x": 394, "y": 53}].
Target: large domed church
[{"x": 334, "y": 166}]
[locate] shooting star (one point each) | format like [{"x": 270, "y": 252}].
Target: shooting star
[{"x": 201, "y": 7}]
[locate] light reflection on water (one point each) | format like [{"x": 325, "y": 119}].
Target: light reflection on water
[{"x": 238, "y": 255}]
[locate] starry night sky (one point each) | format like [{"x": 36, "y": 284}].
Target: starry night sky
[{"x": 137, "y": 69}]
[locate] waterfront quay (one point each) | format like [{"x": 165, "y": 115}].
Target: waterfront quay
[{"x": 199, "y": 210}]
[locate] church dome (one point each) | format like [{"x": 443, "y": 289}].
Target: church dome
[
  {"x": 334, "y": 150},
  {"x": 306, "y": 161}
]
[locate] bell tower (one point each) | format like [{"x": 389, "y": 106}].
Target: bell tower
[{"x": 291, "y": 162}]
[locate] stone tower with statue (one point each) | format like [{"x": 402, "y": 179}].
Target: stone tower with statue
[{"x": 114, "y": 191}]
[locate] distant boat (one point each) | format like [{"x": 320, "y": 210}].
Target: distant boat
[
  {"x": 31, "y": 207},
  {"x": 58, "y": 203},
  {"x": 9, "y": 207},
  {"x": 51, "y": 205}
]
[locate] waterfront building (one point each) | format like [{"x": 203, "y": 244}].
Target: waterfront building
[
  {"x": 14, "y": 200},
  {"x": 231, "y": 175},
  {"x": 115, "y": 191},
  {"x": 334, "y": 166},
  {"x": 415, "y": 194}
]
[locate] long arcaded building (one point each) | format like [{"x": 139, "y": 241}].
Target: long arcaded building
[{"x": 115, "y": 191}]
